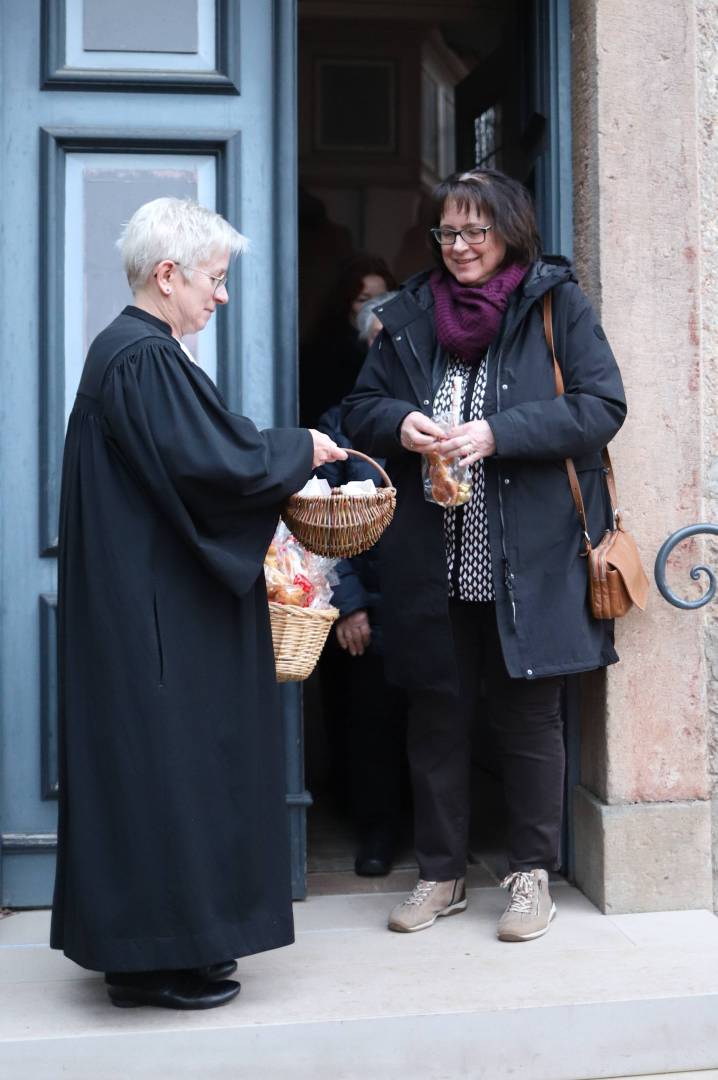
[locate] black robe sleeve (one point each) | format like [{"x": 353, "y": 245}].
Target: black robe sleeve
[{"x": 217, "y": 478}]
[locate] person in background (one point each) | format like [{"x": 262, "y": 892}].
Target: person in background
[
  {"x": 333, "y": 354},
  {"x": 324, "y": 247},
  {"x": 493, "y": 592},
  {"x": 364, "y": 715},
  {"x": 368, "y": 324},
  {"x": 173, "y": 847}
]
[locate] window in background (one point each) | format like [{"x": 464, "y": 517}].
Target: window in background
[{"x": 487, "y": 129}]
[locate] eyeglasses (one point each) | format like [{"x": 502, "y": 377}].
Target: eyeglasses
[
  {"x": 470, "y": 234},
  {"x": 219, "y": 282}
]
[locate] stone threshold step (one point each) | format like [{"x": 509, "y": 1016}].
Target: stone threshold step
[
  {"x": 598, "y": 997},
  {"x": 704, "y": 1074},
  {"x": 552, "y": 1045}
]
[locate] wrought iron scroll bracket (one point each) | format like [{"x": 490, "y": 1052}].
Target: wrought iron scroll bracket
[{"x": 659, "y": 571}]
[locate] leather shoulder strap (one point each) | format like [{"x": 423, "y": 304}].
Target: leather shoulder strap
[
  {"x": 611, "y": 484},
  {"x": 548, "y": 331},
  {"x": 570, "y": 467},
  {"x": 558, "y": 376}
]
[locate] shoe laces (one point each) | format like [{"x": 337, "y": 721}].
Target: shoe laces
[
  {"x": 420, "y": 892},
  {"x": 523, "y": 891}
]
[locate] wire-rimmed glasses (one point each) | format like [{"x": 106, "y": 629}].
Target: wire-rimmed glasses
[{"x": 219, "y": 282}]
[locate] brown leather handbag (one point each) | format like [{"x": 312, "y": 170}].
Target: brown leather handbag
[{"x": 616, "y": 578}]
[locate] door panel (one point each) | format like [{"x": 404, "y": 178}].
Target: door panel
[
  {"x": 102, "y": 191},
  {"x": 76, "y": 164},
  {"x": 154, "y": 45},
  {"x": 127, "y": 167}
]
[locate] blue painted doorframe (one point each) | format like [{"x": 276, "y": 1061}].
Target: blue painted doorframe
[
  {"x": 554, "y": 194},
  {"x": 551, "y": 97}
]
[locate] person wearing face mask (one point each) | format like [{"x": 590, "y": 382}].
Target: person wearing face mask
[
  {"x": 490, "y": 596},
  {"x": 333, "y": 353},
  {"x": 173, "y": 848}
]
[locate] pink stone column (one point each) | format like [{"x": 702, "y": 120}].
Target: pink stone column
[{"x": 643, "y": 810}]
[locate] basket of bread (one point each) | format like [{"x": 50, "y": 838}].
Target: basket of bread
[
  {"x": 299, "y": 589},
  {"x": 344, "y": 521}
]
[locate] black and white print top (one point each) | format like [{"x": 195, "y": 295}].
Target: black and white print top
[{"x": 466, "y": 529}]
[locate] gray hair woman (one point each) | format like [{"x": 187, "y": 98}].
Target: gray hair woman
[{"x": 173, "y": 850}]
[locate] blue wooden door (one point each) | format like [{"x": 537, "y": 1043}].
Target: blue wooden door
[{"x": 150, "y": 97}]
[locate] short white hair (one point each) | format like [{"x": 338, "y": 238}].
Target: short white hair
[{"x": 176, "y": 229}]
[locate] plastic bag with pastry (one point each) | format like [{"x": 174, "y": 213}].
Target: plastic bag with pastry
[
  {"x": 445, "y": 481},
  {"x": 296, "y": 576}
]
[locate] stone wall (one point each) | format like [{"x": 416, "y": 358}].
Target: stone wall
[
  {"x": 707, "y": 64},
  {"x": 643, "y": 811}
]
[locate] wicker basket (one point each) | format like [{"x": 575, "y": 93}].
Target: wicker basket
[
  {"x": 298, "y": 636},
  {"x": 341, "y": 526}
]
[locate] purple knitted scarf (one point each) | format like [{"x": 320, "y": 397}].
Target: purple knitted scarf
[{"x": 468, "y": 317}]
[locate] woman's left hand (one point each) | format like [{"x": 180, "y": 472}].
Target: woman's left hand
[
  {"x": 469, "y": 442},
  {"x": 354, "y": 632}
]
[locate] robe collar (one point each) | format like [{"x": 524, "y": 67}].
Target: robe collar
[{"x": 138, "y": 313}]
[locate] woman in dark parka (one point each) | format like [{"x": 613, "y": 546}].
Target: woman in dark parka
[
  {"x": 495, "y": 590},
  {"x": 173, "y": 848}
]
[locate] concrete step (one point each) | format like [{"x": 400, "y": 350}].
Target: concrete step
[
  {"x": 704, "y": 1074},
  {"x": 599, "y": 996}
]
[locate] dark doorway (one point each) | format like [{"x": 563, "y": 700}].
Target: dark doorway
[{"x": 394, "y": 96}]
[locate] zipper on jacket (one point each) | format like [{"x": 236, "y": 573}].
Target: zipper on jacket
[
  {"x": 508, "y": 575},
  {"x": 432, "y": 389},
  {"x": 158, "y": 641}
]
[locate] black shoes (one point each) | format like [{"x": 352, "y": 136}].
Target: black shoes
[
  {"x": 375, "y": 855},
  {"x": 168, "y": 990},
  {"x": 216, "y": 972}
]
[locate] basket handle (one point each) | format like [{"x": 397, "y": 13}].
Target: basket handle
[{"x": 365, "y": 457}]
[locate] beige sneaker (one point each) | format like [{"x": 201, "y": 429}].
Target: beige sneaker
[
  {"x": 427, "y": 901},
  {"x": 530, "y": 909}
]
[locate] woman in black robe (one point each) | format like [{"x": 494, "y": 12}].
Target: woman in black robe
[{"x": 173, "y": 853}]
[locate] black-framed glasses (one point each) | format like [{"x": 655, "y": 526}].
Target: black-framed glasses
[
  {"x": 470, "y": 234},
  {"x": 218, "y": 281}
]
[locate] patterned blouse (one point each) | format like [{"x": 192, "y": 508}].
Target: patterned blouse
[{"x": 466, "y": 529}]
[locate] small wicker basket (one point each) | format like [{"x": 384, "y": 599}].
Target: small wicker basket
[
  {"x": 298, "y": 636},
  {"x": 343, "y": 525}
]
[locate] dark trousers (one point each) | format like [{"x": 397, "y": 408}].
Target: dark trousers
[
  {"x": 526, "y": 722},
  {"x": 366, "y": 729}
]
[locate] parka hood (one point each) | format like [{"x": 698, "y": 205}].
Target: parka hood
[{"x": 546, "y": 272}]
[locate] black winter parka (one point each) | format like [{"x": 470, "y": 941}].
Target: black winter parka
[{"x": 540, "y": 576}]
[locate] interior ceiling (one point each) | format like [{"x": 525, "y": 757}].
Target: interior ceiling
[
  {"x": 471, "y": 28},
  {"x": 416, "y": 10}
]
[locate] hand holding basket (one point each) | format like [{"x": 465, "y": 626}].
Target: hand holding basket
[{"x": 341, "y": 526}]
